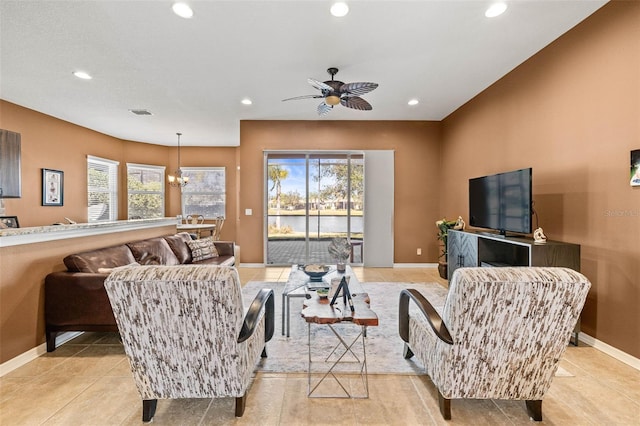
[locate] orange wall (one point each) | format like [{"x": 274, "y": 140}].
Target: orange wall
[
  {"x": 571, "y": 112},
  {"x": 416, "y": 146},
  {"x": 50, "y": 143}
]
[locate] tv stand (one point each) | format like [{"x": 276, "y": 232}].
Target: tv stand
[
  {"x": 486, "y": 249},
  {"x": 492, "y": 234}
]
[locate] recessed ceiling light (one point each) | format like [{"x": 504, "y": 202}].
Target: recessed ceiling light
[
  {"x": 83, "y": 75},
  {"x": 182, "y": 10},
  {"x": 339, "y": 9},
  {"x": 246, "y": 101},
  {"x": 495, "y": 9},
  {"x": 413, "y": 102}
]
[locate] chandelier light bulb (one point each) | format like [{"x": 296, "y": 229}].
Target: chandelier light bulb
[{"x": 177, "y": 179}]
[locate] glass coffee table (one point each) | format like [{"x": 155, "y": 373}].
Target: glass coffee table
[{"x": 298, "y": 284}]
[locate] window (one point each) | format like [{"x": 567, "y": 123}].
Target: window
[
  {"x": 206, "y": 192},
  {"x": 145, "y": 191},
  {"x": 102, "y": 184}
]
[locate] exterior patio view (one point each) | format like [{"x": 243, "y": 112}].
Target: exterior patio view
[{"x": 311, "y": 199}]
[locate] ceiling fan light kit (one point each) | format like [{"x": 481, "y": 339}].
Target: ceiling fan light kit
[
  {"x": 332, "y": 100},
  {"x": 336, "y": 92}
]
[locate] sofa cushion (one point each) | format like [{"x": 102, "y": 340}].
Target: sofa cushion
[
  {"x": 220, "y": 261},
  {"x": 91, "y": 261},
  {"x": 110, "y": 270},
  {"x": 202, "y": 249},
  {"x": 153, "y": 251},
  {"x": 178, "y": 244}
]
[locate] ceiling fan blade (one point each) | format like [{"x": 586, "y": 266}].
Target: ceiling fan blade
[
  {"x": 324, "y": 109},
  {"x": 357, "y": 88},
  {"x": 303, "y": 97},
  {"x": 356, "y": 102},
  {"x": 320, "y": 85}
]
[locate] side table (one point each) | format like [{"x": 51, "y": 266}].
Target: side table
[{"x": 318, "y": 311}]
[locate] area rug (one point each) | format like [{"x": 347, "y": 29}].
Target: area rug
[{"x": 383, "y": 344}]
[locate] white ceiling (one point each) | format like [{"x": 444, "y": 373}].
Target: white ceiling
[{"x": 191, "y": 74}]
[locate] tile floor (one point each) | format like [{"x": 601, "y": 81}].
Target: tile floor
[{"x": 87, "y": 382}]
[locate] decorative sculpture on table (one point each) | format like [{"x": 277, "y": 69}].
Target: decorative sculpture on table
[
  {"x": 538, "y": 236},
  {"x": 340, "y": 249},
  {"x": 346, "y": 294}
]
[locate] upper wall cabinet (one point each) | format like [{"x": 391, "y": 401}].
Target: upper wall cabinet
[{"x": 10, "y": 180}]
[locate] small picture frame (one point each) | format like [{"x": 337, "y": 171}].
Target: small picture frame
[
  {"x": 9, "y": 222},
  {"x": 52, "y": 187}
]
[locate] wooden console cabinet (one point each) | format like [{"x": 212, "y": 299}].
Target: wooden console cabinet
[{"x": 492, "y": 250}]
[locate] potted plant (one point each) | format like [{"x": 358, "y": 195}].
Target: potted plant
[
  {"x": 340, "y": 249},
  {"x": 443, "y": 226}
]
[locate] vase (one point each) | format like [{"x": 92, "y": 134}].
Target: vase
[
  {"x": 442, "y": 270},
  {"x": 342, "y": 267}
]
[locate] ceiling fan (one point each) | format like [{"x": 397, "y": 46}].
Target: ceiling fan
[{"x": 336, "y": 92}]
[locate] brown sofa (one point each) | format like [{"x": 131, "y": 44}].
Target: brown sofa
[{"x": 75, "y": 299}]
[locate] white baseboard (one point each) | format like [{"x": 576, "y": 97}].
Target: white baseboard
[
  {"x": 610, "y": 350},
  {"x": 415, "y": 265},
  {"x": 31, "y": 354},
  {"x": 395, "y": 265}
]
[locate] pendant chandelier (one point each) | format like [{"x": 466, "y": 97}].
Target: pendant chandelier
[{"x": 177, "y": 179}]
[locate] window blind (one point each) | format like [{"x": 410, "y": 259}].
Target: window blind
[{"x": 102, "y": 187}]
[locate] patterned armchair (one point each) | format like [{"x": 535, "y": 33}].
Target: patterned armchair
[
  {"x": 185, "y": 331},
  {"x": 498, "y": 333}
]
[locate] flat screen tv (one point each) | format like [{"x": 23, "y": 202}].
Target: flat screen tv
[{"x": 501, "y": 202}]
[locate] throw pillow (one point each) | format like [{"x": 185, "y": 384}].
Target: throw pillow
[
  {"x": 150, "y": 260},
  {"x": 202, "y": 249}
]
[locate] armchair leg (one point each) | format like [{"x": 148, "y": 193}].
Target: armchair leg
[
  {"x": 241, "y": 401},
  {"x": 445, "y": 406},
  {"x": 407, "y": 352},
  {"x": 534, "y": 409},
  {"x": 264, "y": 352},
  {"x": 51, "y": 340},
  {"x": 148, "y": 409}
]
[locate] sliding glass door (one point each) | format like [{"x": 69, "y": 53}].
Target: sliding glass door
[{"x": 311, "y": 198}]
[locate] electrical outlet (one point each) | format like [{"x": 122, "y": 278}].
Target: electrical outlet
[{"x": 419, "y": 252}]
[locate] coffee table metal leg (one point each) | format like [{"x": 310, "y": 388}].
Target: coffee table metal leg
[
  {"x": 283, "y": 312},
  {"x": 288, "y": 314},
  {"x": 347, "y": 348}
]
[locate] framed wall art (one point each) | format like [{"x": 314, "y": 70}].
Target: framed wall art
[
  {"x": 52, "y": 187},
  {"x": 635, "y": 168}
]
